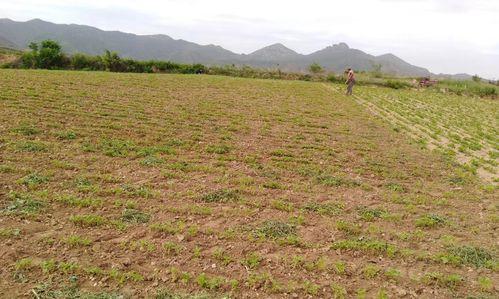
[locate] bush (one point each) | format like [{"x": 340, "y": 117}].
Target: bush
[
  {"x": 395, "y": 84},
  {"x": 335, "y": 79},
  {"x": 469, "y": 87},
  {"x": 28, "y": 60},
  {"x": 46, "y": 55},
  {"x": 484, "y": 91},
  {"x": 315, "y": 68},
  {"x": 112, "y": 62},
  {"x": 86, "y": 62},
  {"x": 50, "y": 55}
]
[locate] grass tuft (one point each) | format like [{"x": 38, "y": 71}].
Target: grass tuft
[
  {"x": 88, "y": 220},
  {"x": 328, "y": 209},
  {"x": 134, "y": 216},
  {"x": 274, "y": 229},
  {"x": 430, "y": 221}
]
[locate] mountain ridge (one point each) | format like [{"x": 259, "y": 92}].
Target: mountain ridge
[{"x": 91, "y": 40}]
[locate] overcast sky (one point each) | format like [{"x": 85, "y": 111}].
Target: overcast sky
[{"x": 450, "y": 36}]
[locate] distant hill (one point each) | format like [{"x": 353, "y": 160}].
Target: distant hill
[
  {"x": 90, "y": 40},
  {"x": 5, "y": 43},
  {"x": 455, "y": 77}
]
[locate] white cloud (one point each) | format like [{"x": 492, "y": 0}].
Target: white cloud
[{"x": 444, "y": 35}]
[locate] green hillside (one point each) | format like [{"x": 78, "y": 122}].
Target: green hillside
[{"x": 169, "y": 186}]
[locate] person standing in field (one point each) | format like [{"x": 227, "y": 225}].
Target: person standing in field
[{"x": 350, "y": 81}]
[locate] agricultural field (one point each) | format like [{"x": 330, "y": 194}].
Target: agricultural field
[
  {"x": 463, "y": 128},
  {"x": 193, "y": 186}
]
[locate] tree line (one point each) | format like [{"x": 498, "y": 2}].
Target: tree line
[{"x": 48, "y": 55}]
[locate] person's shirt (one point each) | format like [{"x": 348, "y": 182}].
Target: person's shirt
[{"x": 351, "y": 75}]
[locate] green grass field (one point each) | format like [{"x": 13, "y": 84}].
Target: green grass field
[{"x": 192, "y": 186}]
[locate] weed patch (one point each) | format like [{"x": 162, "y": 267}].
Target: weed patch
[
  {"x": 440, "y": 279},
  {"x": 328, "y": 209},
  {"x": 218, "y": 149},
  {"x": 431, "y": 221},
  {"x": 134, "y": 216},
  {"x": 474, "y": 256},
  {"x": 169, "y": 227},
  {"x": 77, "y": 241},
  {"x": 369, "y": 214},
  {"x": 31, "y": 146},
  {"x": 116, "y": 147},
  {"x": 368, "y": 246},
  {"x": 88, "y": 220},
  {"x": 27, "y": 130},
  {"x": 33, "y": 179},
  {"x": 23, "y": 204},
  {"x": 334, "y": 181},
  {"x": 66, "y": 135},
  {"x": 274, "y": 229},
  {"x": 75, "y": 201}
]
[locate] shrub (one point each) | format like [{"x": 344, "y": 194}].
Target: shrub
[
  {"x": 46, "y": 55},
  {"x": 28, "y": 60},
  {"x": 85, "y": 62},
  {"x": 50, "y": 55},
  {"x": 315, "y": 68},
  {"x": 112, "y": 62},
  {"x": 395, "y": 84},
  {"x": 335, "y": 79}
]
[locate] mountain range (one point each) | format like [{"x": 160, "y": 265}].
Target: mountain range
[{"x": 90, "y": 40}]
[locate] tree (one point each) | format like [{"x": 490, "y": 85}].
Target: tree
[
  {"x": 315, "y": 68},
  {"x": 49, "y": 55},
  {"x": 46, "y": 55},
  {"x": 476, "y": 78},
  {"x": 112, "y": 61},
  {"x": 33, "y": 46}
]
